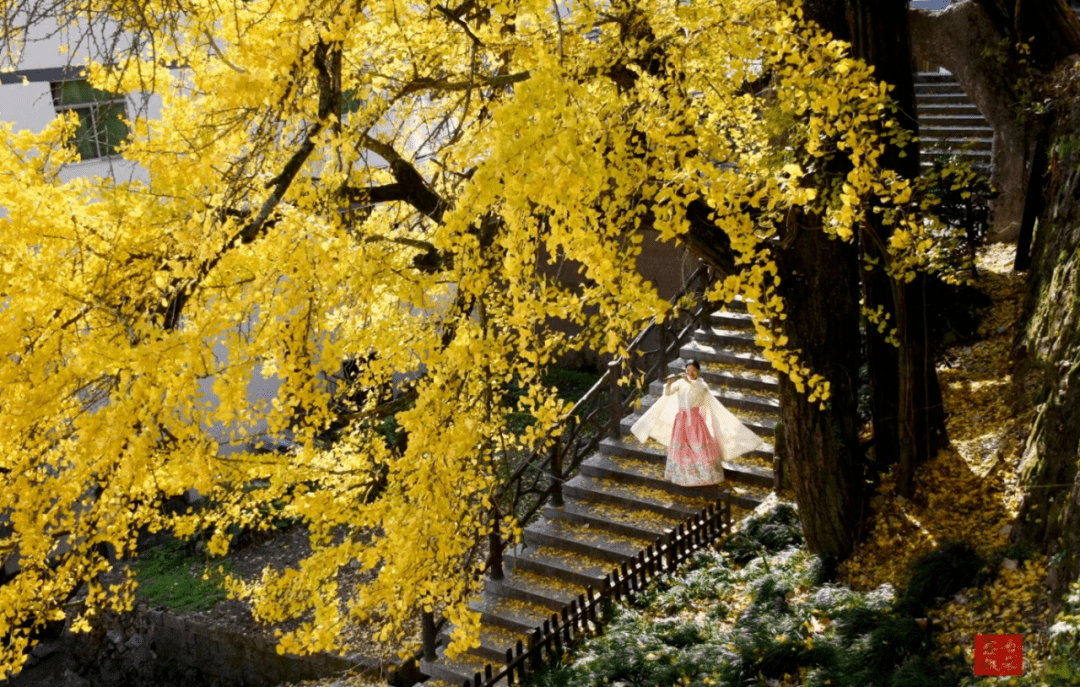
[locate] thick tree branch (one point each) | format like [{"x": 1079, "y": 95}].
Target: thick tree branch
[{"x": 327, "y": 59}]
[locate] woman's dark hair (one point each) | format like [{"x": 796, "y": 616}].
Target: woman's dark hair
[{"x": 695, "y": 363}]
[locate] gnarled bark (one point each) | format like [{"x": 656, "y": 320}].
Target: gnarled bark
[
  {"x": 958, "y": 39},
  {"x": 820, "y": 283},
  {"x": 1048, "y": 352}
]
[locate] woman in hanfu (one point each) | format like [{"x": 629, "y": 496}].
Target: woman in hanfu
[{"x": 696, "y": 429}]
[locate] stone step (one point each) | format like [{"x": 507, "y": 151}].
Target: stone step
[
  {"x": 642, "y": 474},
  {"x": 761, "y": 425},
  {"x": 628, "y": 471},
  {"x": 732, "y": 379},
  {"x": 975, "y": 121},
  {"x": 973, "y": 131},
  {"x": 579, "y": 569},
  {"x": 630, "y": 447},
  {"x": 734, "y": 471},
  {"x": 596, "y": 543},
  {"x": 586, "y": 488},
  {"x": 730, "y": 399},
  {"x": 509, "y": 614},
  {"x": 936, "y": 109},
  {"x": 957, "y": 98},
  {"x": 934, "y": 77},
  {"x": 737, "y": 304},
  {"x": 731, "y": 319},
  {"x": 942, "y": 86},
  {"x": 538, "y": 589},
  {"x": 622, "y": 521},
  {"x": 457, "y": 671},
  {"x": 494, "y": 641},
  {"x": 709, "y": 353},
  {"x": 931, "y": 142},
  {"x": 726, "y": 338},
  {"x": 928, "y": 153}
]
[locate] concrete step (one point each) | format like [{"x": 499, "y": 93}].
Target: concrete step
[
  {"x": 939, "y": 109},
  {"x": 622, "y": 521},
  {"x": 728, "y": 378},
  {"x": 579, "y": 569},
  {"x": 931, "y": 142},
  {"x": 938, "y": 87},
  {"x": 586, "y": 488},
  {"x": 631, "y": 448},
  {"x": 580, "y": 539},
  {"x": 509, "y": 614},
  {"x": 763, "y": 425},
  {"x": 934, "y": 77},
  {"x": 494, "y": 641},
  {"x": 457, "y": 671},
  {"x": 731, "y": 319},
  {"x": 974, "y": 131},
  {"x": 761, "y": 402},
  {"x": 535, "y": 588},
  {"x": 711, "y": 353},
  {"x": 726, "y": 338},
  {"x": 957, "y": 98},
  {"x": 628, "y": 471},
  {"x": 642, "y": 474},
  {"x": 928, "y": 153},
  {"x": 975, "y": 121}
]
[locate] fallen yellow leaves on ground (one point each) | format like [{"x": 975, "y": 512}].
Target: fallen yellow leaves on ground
[{"x": 969, "y": 491}]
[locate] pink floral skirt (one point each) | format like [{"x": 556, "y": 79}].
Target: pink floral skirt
[{"x": 693, "y": 457}]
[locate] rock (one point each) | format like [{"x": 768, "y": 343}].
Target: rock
[
  {"x": 134, "y": 641},
  {"x": 1006, "y": 530},
  {"x": 115, "y": 636},
  {"x": 140, "y": 656},
  {"x": 44, "y": 649},
  {"x": 110, "y": 674},
  {"x": 73, "y": 679},
  {"x": 1009, "y": 564}
]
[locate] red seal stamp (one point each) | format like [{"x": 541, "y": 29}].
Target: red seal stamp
[{"x": 999, "y": 654}]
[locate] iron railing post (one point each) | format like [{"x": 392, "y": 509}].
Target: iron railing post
[
  {"x": 495, "y": 547},
  {"x": 427, "y": 627},
  {"x": 615, "y": 400},
  {"x": 663, "y": 350},
  {"x": 556, "y": 465}
]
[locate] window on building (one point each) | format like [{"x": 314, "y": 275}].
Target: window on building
[{"x": 101, "y": 126}]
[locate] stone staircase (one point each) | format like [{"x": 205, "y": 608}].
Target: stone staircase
[
  {"x": 619, "y": 503},
  {"x": 949, "y": 123}
]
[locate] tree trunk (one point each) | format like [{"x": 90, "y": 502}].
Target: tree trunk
[
  {"x": 1047, "y": 351},
  {"x": 1049, "y": 26},
  {"x": 820, "y": 287},
  {"x": 906, "y": 394}
]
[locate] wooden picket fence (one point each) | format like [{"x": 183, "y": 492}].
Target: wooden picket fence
[{"x": 587, "y": 614}]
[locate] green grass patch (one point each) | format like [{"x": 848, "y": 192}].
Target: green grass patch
[{"x": 171, "y": 575}]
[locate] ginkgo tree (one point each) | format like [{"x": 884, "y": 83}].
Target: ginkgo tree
[{"x": 380, "y": 181}]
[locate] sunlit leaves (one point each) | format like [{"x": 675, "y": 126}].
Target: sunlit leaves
[{"x": 551, "y": 144}]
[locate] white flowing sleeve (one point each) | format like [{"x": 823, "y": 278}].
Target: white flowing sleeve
[
  {"x": 733, "y": 436},
  {"x": 659, "y": 420}
]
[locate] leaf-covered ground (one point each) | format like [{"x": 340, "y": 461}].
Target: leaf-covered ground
[{"x": 970, "y": 491}]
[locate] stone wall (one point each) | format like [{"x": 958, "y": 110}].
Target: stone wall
[
  {"x": 239, "y": 658},
  {"x": 149, "y": 648}
]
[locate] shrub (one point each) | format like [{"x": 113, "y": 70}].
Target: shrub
[
  {"x": 772, "y": 531},
  {"x": 943, "y": 572}
]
